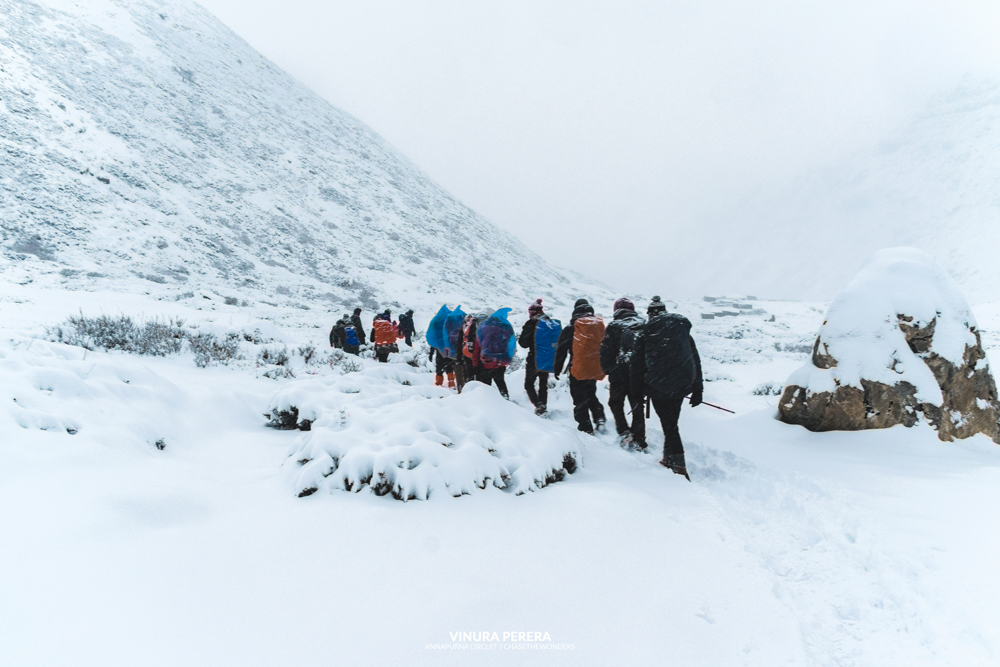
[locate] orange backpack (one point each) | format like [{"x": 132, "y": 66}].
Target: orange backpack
[
  {"x": 384, "y": 335},
  {"x": 588, "y": 332}
]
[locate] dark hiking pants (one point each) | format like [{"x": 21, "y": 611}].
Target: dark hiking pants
[
  {"x": 669, "y": 410},
  {"x": 585, "y": 403},
  {"x": 382, "y": 352},
  {"x": 541, "y": 396},
  {"x": 351, "y": 349},
  {"x": 491, "y": 375},
  {"x": 618, "y": 392},
  {"x": 409, "y": 339}
]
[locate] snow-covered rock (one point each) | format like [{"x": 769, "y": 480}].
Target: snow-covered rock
[
  {"x": 388, "y": 429},
  {"x": 898, "y": 343},
  {"x": 147, "y": 147}
]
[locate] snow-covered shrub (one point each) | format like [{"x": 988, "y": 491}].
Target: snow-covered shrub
[
  {"x": 900, "y": 342},
  {"x": 389, "y": 430},
  {"x": 209, "y": 349},
  {"x": 51, "y": 390},
  {"x": 121, "y": 332},
  {"x": 277, "y": 362},
  {"x": 769, "y": 388}
]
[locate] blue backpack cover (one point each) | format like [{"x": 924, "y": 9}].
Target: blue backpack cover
[
  {"x": 351, "y": 335},
  {"x": 435, "y": 330},
  {"x": 546, "y": 338},
  {"x": 453, "y": 333},
  {"x": 496, "y": 338}
]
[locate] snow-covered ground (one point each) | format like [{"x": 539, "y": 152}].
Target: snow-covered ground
[{"x": 787, "y": 547}]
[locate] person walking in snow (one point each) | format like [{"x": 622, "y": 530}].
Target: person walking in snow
[
  {"x": 581, "y": 342},
  {"x": 383, "y": 336},
  {"x": 358, "y": 329},
  {"x": 665, "y": 366},
  {"x": 471, "y": 361},
  {"x": 496, "y": 348},
  {"x": 406, "y": 328},
  {"x": 337, "y": 334},
  {"x": 442, "y": 366},
  {"x": 352, "y": 343},
  {"x": 616, "y": 356},
  {"x": 539, "y": 398}
]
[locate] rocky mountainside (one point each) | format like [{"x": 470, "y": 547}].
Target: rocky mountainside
[
  {"x": 145, "y": 145},
  {"x": 934, "y": 185}
]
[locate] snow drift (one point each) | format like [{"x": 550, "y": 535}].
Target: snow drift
[
  {"x": 389, "y": 430},
  {"x": 898, "y": 343}
]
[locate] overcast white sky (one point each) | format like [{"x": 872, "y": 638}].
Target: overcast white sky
[{"x": 594, "y": 129}]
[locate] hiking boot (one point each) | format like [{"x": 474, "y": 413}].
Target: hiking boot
[
  {"x": 599, "y": 424},
  {"x": 639, "y": 444},
  {"x": 667, "y": 462},
  {"x": 678, "y": 466},
  {"x": 540, "y": 410}
]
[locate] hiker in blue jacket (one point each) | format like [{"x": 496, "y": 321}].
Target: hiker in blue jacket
[{"x": 540, "y": 397}]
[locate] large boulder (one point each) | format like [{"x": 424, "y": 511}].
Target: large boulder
[{"x": 899, "y": 345}]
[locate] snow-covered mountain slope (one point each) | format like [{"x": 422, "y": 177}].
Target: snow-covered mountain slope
[
  {"x": 934, "y": 185},
  {"x": 143, "y": 139}
]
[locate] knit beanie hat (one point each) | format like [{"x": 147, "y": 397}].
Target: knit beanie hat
[
  {"x": 536, "y": 308},
  {"x": 624, "y": 303},
  {"x": 656, "y": 306},
  {"x": 581, "y": 302}
]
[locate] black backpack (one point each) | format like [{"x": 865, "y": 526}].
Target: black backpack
[{"x": 670, "y": 365}]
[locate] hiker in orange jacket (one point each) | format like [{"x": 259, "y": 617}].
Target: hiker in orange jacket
[{"x": 581, "y": 341}]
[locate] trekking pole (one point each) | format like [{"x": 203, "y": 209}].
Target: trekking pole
[
  {"x": 717, "y": 407},
  {"x": 647, "y": 408}
]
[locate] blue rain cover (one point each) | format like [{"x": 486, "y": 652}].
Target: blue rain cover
[
  {"x": 435, "y": 330},
  {"x": 546, "y": 338},
  {"x": 453, "y": 333},
  {"x": 496, "y": 338}
]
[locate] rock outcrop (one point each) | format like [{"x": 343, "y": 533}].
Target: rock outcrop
[{"x": 897, "y": 346}]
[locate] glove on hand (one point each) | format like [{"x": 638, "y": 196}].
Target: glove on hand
[{"x": 696, "y": 399}]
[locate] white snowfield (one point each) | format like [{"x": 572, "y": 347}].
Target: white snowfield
[
  {"x": 861, "y": 328},
  {"x": 786, "y": 548}
]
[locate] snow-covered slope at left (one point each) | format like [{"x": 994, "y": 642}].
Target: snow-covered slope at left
[{"x": 143, "y": 140}]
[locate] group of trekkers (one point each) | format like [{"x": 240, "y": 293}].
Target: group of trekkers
[
  {"x": 348, "y": 334},
  {"x": 649, "y": 361}
]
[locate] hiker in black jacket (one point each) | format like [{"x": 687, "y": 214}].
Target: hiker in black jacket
[
  {"x": 616, "y": 355},
  {"x": 539, "y": 398},
  {"x": 358, "y": 329},
  {"x": 406, "y": 328},
  {"x": 666, "y": 367},
  {"x": 583, "y": 391},
  {"x": 337, "y": 335}
]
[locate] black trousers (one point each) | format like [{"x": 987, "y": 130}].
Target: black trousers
[
  {"x": 382, "y": 352},
  {"x": 669, "y": 410},
  {"x": 409, "y": 339},
  {"x": 619, "y": 390},
  {"x": 443, "y": 364},
  {"x": 491, "y": 375},
  {"x": 531, "y": 376},
  {"x": 585, "y": 403},
  {"x": 351, "y": 349}
]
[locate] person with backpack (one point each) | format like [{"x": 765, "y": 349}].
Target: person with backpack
[
  {"x": 616, "y": 356},
  {"x": 442, "y": 366},
  {"x": 358, "y": 329},
  {"x": 665, "y": 366},
  {"x": 406, "y": 328},
  {"x": 532, "y": 373},
  {"x": 469, "y": 359},
  {"x": 337, "y": 334},
  {"x": 497, "y": 346},
  {"x": 581, "y": 341},
  {"x": 352, "y": 343},
  {"x": 384, "y": 333}
]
